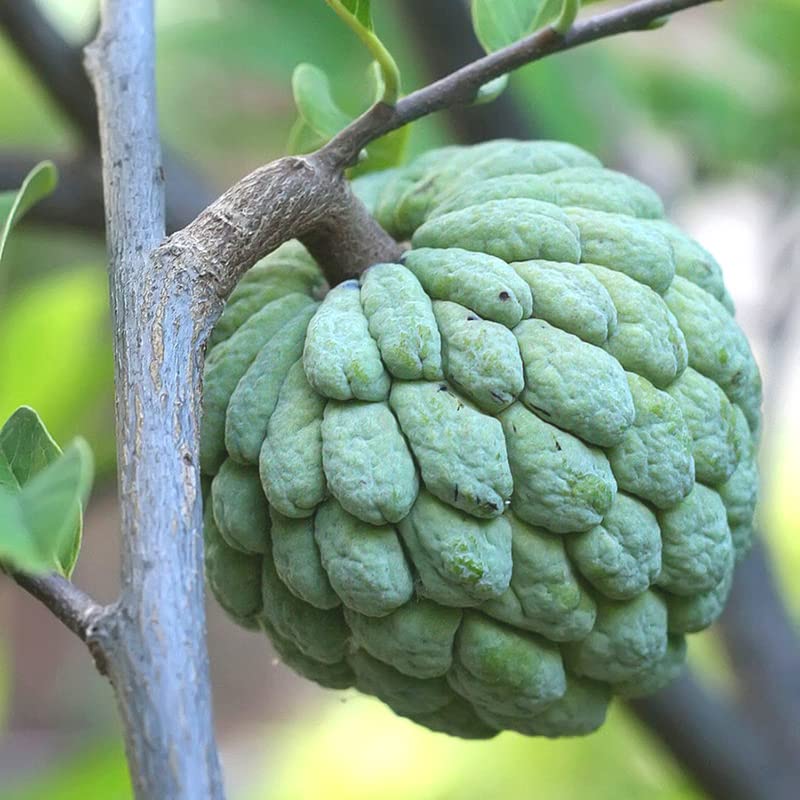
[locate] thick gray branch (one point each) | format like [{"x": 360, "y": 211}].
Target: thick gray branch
[{"x": 158, "y": 663}]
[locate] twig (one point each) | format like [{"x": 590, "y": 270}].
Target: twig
[
  {"x": 159, "y": 664},
  {"x": 79, "y": 612},
  {"x": 301, "y": 197},
  {"x": 78, "y": 201},
  {"x": 442, "y": 35},
  {"x": 462, "y": 85}
]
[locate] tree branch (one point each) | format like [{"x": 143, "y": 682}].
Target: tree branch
[
  {"x": 158, "y": 664},
  {"x": 306, "y": 198},
  {"x": 78, "y": 200},
  {"x": 765, "y": 653},
  {"x": 443, "y": 36},
  {"x": 461, "y": 86},
  {"x": 716, "y": 744},
  {"x": 79, "y": 612},
  {"x": 58, "y": 64}
]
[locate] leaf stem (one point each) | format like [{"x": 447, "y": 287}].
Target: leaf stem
[
  {"x": 568, "y": 13},
  {"x": 389, "y": 68}
]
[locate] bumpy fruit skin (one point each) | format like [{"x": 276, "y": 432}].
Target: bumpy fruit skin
[{"x": 497, "y": 483}]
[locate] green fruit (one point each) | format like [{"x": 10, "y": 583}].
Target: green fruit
[{"x": 494, "y": 484}]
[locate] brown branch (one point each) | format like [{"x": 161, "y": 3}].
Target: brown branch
[
  {"x": 443, "y": 36},
  {"x": 461, "y": 86},
  {"x": 294, "y": 197},
  {"x": 306, "y": 198},
  {"x": 78, "y": 201}
]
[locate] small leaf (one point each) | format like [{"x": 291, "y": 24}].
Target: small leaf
[
  {"x": 42, "y": 491},
  {"x": 314, "y": 100},
  {"x": 26, "y": 447},
  {"x": 388, "y": 151},
  {"x": 40, "y": 182},
  {"x": 357, "y": 15},
  {"x": 362, "y": 11},
  {"x": 658, "y": 22},
  {"x": 302, "y": 139},
  {"x": 499, "y": 23},
  {"x": 492, "y": 90}
]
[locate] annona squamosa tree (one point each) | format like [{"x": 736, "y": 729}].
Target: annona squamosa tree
[{"x": 497, "y": 483}]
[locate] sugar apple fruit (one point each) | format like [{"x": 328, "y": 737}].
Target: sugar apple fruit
[{"x": 496, "y": 483}]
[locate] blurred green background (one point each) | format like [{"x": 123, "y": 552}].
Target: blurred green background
[{"x": 707, "y": 110}]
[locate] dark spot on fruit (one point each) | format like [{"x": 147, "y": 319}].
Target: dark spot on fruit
[
  {"x": 442, "y": 387},
  {"x": 471, "y": 318},
  {"x": 504, "y": 295},
  {"x": 455, "y": 494}
]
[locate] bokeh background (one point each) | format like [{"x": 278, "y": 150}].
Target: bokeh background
[{"x": 707, "y": 110}]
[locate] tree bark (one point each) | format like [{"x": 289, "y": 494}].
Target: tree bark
[{"x": 155, "y": 636}]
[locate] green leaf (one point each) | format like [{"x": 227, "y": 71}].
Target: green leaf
[
  {"x": 492, "y": 90},
  {"x": 357, "y": 14},
  {"x": 388, "y": 151},
  {"x": 42, "y": 491},
  {"x": 499, "y": 23},
  {"x": 40, "y": 182},
  {"x": 302, "y": 139},
  {"x": 362, "y": 11},
  {"x": 314, "y": 100}
]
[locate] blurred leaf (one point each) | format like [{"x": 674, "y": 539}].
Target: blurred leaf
[
  {"x": 492, "y": 90},
  {"x": 357, "y": 14},
  {"x": 399, "y": 760},
  {"x": 55, "y": 355},
  {"x": 302, "y": 139},
  {"x": 388, "y": 151},
  {"x": 315, "y": 103},
  {"x": 41, "y": 494},
  {"x": 97, "y": 772},
  {"x": 39, "y": 182},
  {"x": 499, "y": 23},
  {"x": 362, "y": 11}
]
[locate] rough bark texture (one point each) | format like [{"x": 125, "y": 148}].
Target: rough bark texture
[{"x": 155, "y": 637}]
